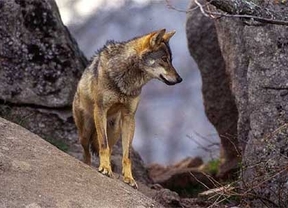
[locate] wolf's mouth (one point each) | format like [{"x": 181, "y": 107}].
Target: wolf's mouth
[{"x": 166, "y": 81}]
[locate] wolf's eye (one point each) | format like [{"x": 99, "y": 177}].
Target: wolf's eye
[{"x": 164, "y": 58}]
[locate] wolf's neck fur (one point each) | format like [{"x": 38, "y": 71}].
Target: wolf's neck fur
[{"x": 123, "y": 70}]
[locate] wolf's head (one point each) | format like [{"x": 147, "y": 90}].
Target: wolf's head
[{"x": 156, "y": 56}]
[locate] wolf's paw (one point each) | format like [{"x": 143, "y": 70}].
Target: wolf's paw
[
  {"x": 130, "y": 182},
  {"x": 105, "y": 171}
]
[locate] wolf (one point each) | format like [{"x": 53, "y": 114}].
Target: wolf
[{"x": 109, "y": 91}]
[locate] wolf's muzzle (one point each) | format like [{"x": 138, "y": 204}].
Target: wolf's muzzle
[{"x": 171, "y": 82}]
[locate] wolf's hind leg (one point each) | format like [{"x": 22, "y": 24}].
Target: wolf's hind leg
[
  {"x": 85, "y": 138},
  {"x": 86, "y": 129},
  {"x": 114, "y": 130}
]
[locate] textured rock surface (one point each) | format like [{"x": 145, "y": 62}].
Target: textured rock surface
[
  {"x": 156, "y": 171},
  {"x": 256, "y": 60},
  {"x": 171, "y": 199},
  {"x": 183, "y": 177},
  {"x": 51, "y": 124},
  {"x": 34, "y": 173},
  {"x": 185, "y": 181},
  {"x": 39, "y": 60},
  {"x": 219, "y": 102},
  {"x": 57, "y": 127}
]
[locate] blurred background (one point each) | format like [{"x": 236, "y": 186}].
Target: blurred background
[{"x": 170, "y": 121}]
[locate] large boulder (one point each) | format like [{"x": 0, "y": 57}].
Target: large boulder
[
  {"x": 40, "y": 65},
  {"x": 256, "y": 59},
  {"x": 40, "y": 62},
  {"x": 219, "y": 102},
  {"x": 255, "y": 56},
  {"x": 33, "y": 173}
]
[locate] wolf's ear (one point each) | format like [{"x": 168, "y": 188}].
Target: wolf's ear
[
  {"x": 157, "y": 38},
  {"x": 150, "y": 41},
  {"x": 168, "y": 35}
]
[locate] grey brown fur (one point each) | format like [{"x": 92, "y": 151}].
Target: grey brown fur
[{"x": 109, "y": 91}]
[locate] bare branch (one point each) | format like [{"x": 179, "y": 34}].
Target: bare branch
[
  {"x": 201, "y": 8},
  {"x": 243, "y": 10},
  {"x": 252, "y": 17},
  {"x": 203, "y": 184},
  {"x": 170, "y": 6},
  {"x": 237, "y": 9}
]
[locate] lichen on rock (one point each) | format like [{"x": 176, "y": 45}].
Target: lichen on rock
[{"x": 37, "y": 64}]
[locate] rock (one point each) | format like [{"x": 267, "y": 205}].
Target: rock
[
  {"x": 196, "y": 203},
  {"x": 57, "y": 127},
  {"x": 156, "y": 170},
  {"x": 40, "y": 66},
  {"x": 219, "y": 102},
  {"x": 168, "y": 198},
  {"x": 181, "y": 177},
  {"x": 33, "y": 173},
  {"x": 256, "y": 62},
  {"x": 256, "y": 65},
  {"x": 53, "y": 124},
  {"x": 189, "y": 162},
  {"x": 187, "y": 182},
  {"x": 171, "y": 199},
  {"x": 40, "y": 62}
]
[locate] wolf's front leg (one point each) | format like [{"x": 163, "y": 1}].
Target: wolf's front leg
[
  {"x": 128, "y": 128},
  {"x": 100, "y": 118}
]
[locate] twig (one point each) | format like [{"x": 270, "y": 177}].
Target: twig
[
  {"x": 205, "y": 138},
  {"x": 212, "y": 180},
  {"x": 208, "y": 148},
  {"x": 201, "y": 8},
  {"x": 234, "y": 145},
  {"x": 252, "y": 17},
  {"x": 220, "y": 14},
  {"x": 170, "y": 6},
  {"x": 203, "y": 184},
  {"x": 216, "y": 202}
]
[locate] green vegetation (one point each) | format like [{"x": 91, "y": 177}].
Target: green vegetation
[
  {"x": 213, "y": 166},
  {"x": 59, "y": 144}
]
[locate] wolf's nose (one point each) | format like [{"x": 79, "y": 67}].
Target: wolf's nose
[{"x": 179, "y": 79}]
